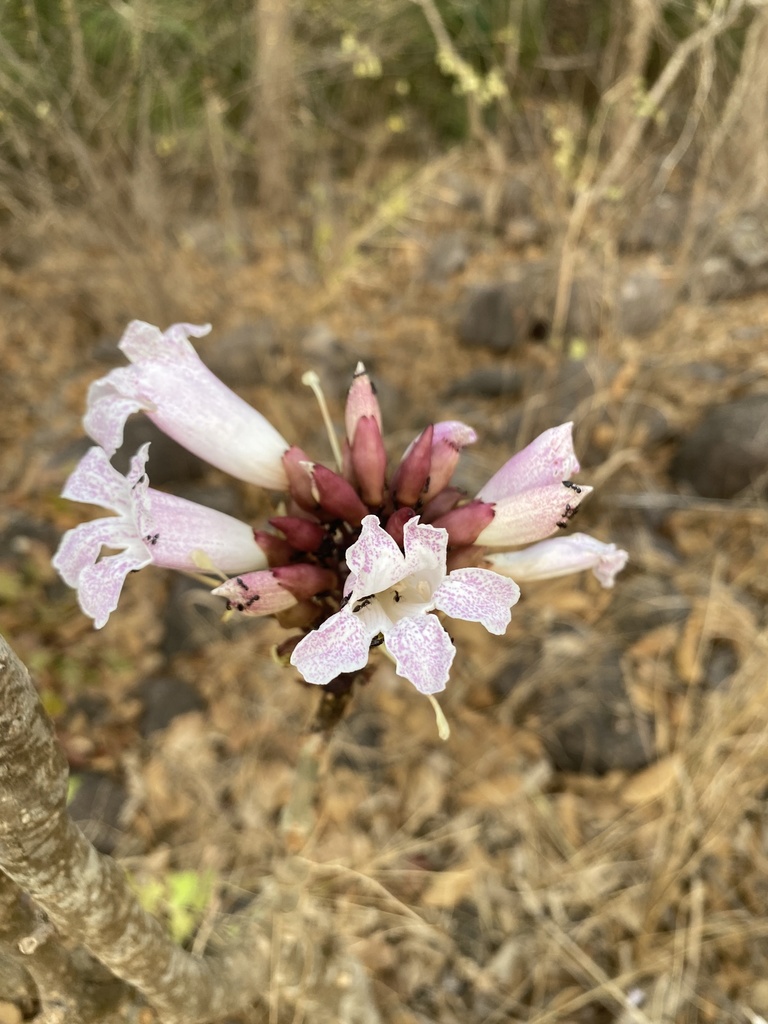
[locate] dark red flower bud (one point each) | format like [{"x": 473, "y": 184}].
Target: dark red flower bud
[
  {"x": 465, "y": 523},
  {"x": 396, "y": 522},
  {"x": 369, "y": 460},
  {"x": 336, "y": 496},
  {"x": 412, "y": 475},
  {"x": 304, "y": 580},
  {"x": 302, "y": 534},
  {"x": 277, "y": 550}
]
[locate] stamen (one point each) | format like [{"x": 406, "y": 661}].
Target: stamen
[
  {"x": 206, "y": 565},
  {"x": 443, "y": 729},
  {"x": 311, "y": 379}
]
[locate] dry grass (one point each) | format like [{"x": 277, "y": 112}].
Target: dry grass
[{"x": 461, "y": 881}]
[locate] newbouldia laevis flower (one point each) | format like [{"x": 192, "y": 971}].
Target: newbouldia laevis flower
[
  {"x": 390, "y": 592},
  {"x": 169, "y": 382},
  {"x": 360, "y": 556},
  {"x": 149, "y": 527},
  {"x": 562, "y": 556}
]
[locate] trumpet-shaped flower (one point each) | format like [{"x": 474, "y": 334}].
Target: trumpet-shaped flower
[
  {"x": 392, "y": 592},
  {"x": 150, "y": 527},
  {"x": 561, "y": 556},
  {"x": 532, "y": 495},
  {"x": 179, "y": 393}
]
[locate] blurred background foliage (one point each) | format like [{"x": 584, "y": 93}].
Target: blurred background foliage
[{"x": 145, "y": 105}]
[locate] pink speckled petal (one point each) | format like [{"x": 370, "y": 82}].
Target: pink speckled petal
[
  {"x": 96, "y": 482},
  {"x": 531, "y": 516},
  {"x": 99, "y": 585},
  {"x": 81, "y": 546},
  {"x": 141, "y": 340},
  {"x": 423, "y": 652},
  {"x": 111, "y": 400},
  {"x": 561, "y": 556},
  {"x": 375, "y": 559},
  {"x": 425, "y": 547},
  {"x": 180, "y": 394},
  {"x": 340, "y": 644},
  {"x": 550, "y": 457},
  {"x": 478, "y": 595}
]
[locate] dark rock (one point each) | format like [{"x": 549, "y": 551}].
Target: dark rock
[
  {"x": 163, "y": 699},
  {"x": 718, "y": 278},
  {"x": 358, "y": 743},
  {"x": 727, "y": 451},
  {"x": 523, "y": 231},
  {"x": 525, "y": 656},
  {"x": 658, "y": 227},
  {"x": 645, "y": 298},
  {"x": 745, "y": 238},
  {"x": 96, "y": 807},
  {"x": 448, "y": 255},
  {"x": 168, "y": 462},
  {"x": 587, "y": 721},
  {"x": 503, "y": 315},
  {"x": 514, "y": 200},
  {"x": 496, "y": 317},
  {"x": 240, "y": 356},
  {"x": 488, "y": 382},
  {"x": 722, "y": 661}
]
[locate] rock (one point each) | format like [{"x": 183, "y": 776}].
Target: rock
[
  {"x": 727, "y": 451},
  {"x": 658, "y": 227},
  {"x": 721, "y": 663},
  {"x": 239, "y": 356},
  {"x": 523, "y": 231},
  {"x": 448, "y": 255},
  {"x": 505, "y": 314},
  {"x": 168, "y": 462},
  {"x": 578, "y": 703},
  {"x": 165, "y": 698},
  {"x": 496, "y": 317},
  {"x": 718, "y": 278},
  {"x": 645, "y": 298},
  {"x": 746, "y": 238},
  {"x": 96, "y": 807}
]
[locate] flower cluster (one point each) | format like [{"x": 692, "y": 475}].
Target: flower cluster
[{"x": 358, "y": 557}]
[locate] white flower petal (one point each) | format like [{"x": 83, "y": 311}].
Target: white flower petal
[{"x": 375, "y": 559}]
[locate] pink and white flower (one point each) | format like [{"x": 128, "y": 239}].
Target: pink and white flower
[
  {"x": 150, "y": 527},
  {"x": 171, "y": 384},
  {"x": 562, "y": 556},
  {"x": 393, "y": 593},
  {"x": 532, "y": 494}
]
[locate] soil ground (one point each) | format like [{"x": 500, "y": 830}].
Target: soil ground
[{"x": 589, "y": 845}]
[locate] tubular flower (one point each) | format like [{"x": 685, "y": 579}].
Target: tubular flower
[
  {"x": 562, "y": 556},
  {"x": 150, "y": 527},
  {"x": 180, "y": 395},
  {"x": 532, "y": 495},
  {"x": 357, "y": 557},
  {"x": 390, "y": 592}
]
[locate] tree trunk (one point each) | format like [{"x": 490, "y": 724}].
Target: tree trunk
[{"x": 86, "y": 895}]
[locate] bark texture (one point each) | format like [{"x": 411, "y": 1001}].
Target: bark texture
[{"x": 86, "y": 895}]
